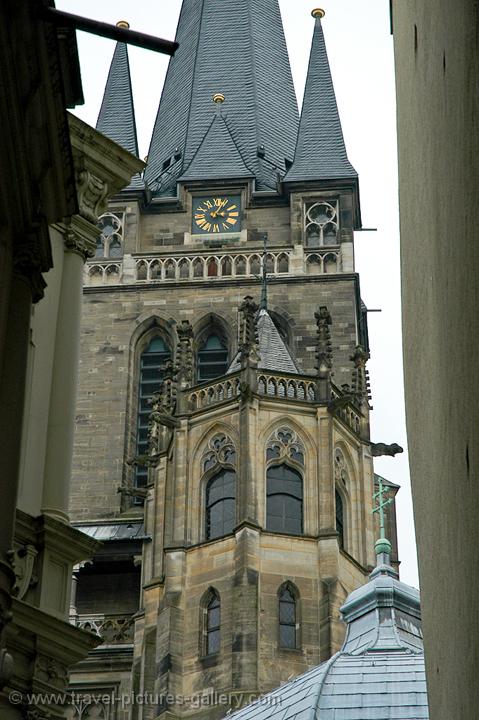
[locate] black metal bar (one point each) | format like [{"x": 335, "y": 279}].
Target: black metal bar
[{"x": 113, "y": 32}]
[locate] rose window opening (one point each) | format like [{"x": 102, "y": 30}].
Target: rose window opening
[
  {"x": 321, "y": 224},
  {"x": 110, "y": 241}
]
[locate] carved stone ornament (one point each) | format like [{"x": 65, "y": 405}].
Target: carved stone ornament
[
  {"x": 184, "y": 357},
  {"x": 92, "y": 193},
  {"x": 36, "y": 713},
  {"x": 284, "y": 444},
  {"x": 23, "y": 562},
  {"x": 341, "y": 474},
  {"x": 380, "y": 449},
  {"x": 248, "y": 330},
  {"x": 27, "y": 264},
  {"x": 324, "y": 348},
  {"x": 50, "y": 671},
  {"x": 81, "y": 245}
]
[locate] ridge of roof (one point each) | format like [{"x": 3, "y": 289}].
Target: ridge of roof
[{"x": 320, "y": 149}]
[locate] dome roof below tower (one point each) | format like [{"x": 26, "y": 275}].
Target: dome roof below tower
[{"x": 379, "y": 672}]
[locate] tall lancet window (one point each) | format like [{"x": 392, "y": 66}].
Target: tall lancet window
[
  {"x": 212, "y": 358},
  {"x": 339, "y": 518},
  {"x": 288, "y": 617},
  {"x": 341, "y": 476},
  {"x": 285, "y": 456},
  {"x": 152, "y": 359},
  {"x": 219, "y": 471},
  {"x": 211, "y": 623}
]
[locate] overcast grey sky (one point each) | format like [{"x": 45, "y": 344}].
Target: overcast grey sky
[{"x": 360, "y": 51}]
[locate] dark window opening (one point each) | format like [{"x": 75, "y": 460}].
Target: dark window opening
[
  {"x": 284, "y": 500},
  {"x": 339, "y": 519},
  {"x": 287, "y": 620},
  {"x": 212, "y": 359},
  {"x": 221, "y": 504},
  {"x": 213, "y": 622},
  {"x": 151, "y": 361}
]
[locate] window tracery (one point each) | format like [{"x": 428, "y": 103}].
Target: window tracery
[
  {"x": 321, "y": 224},
  {"x": 110, "y": 241},
  {"x": 218, "y": 463},
  {"x": 284, "y": 444}
]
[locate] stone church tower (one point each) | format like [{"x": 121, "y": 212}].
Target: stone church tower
[{"x": 222, "y": 447}]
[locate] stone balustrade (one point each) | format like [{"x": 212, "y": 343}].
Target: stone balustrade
[
  {"x": 113, "y": 629},
  {"x": 206, "y": 266}
]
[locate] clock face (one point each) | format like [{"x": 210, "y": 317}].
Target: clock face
[{"x": 216, "y": 214}]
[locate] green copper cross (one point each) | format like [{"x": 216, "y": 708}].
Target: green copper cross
[{"x": 381, "y": 504}]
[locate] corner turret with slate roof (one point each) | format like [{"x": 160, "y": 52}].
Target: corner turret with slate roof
[{"x": 116, "y": 118}]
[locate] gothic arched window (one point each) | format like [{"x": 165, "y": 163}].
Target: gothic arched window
[
  {"x": 211, "y": 630},
  {"x": 221, "y": 504},
  {"x": 152, "y": 358},
  {"x": 339, "y": 518},
  {"x": 212, "y": 359},
  {"x": 288, "y": 617},
  {"x": 284, "y": 500}
]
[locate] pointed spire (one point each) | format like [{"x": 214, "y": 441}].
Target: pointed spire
[
  {"x": 238, "y": 47},
  {"x": 116, "y": 118},
  {"x": 320, "y": 149}
]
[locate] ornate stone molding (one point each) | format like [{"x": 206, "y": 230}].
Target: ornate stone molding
[
  {"x": 31, "y": 258},
  {"x": 50, "y": 671},
  {"x": 92, "y": 194},
  {"x": 23, "y": 562},
  {"x": 184, "y": 362},
  {"x": 248, "y": 331}
]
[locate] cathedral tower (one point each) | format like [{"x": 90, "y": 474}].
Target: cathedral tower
[{"x": 222, "y": 448}]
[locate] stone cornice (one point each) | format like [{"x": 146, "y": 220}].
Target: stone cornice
[{"x": 102, "y": 167}]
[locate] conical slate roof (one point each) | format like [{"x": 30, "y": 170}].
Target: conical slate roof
[
  {"x": 378, "y": 673},
  {"x": 116, "y": 118},
  {"x": 320, "y": 149},
  {"x": 237, "y": 48},
  {"x": 218, "y": 156},
  {"x": 272, "y": 351}
]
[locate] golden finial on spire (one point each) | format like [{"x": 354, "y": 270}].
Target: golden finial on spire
[
  {"x": 123, "y": 24},
  {"x": 218, "y": 98},
  {"x": 318, "y": 13}
]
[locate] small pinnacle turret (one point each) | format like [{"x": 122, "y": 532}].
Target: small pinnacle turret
[
  {"x": 116, "y": 118},
  {"x": 320, "y": 149}
]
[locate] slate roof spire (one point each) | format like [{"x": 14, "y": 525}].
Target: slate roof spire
[
  {"x": 320, "y": 149},
  {"x": 116, "y": 118},
  {"x": 270, "y": 349},
  {"x": 236, "y": 47}
]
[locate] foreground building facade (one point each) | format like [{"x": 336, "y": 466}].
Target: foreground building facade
[
  {"x": 437, "y": 74},
  {"x": 222, "y": 449}
]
